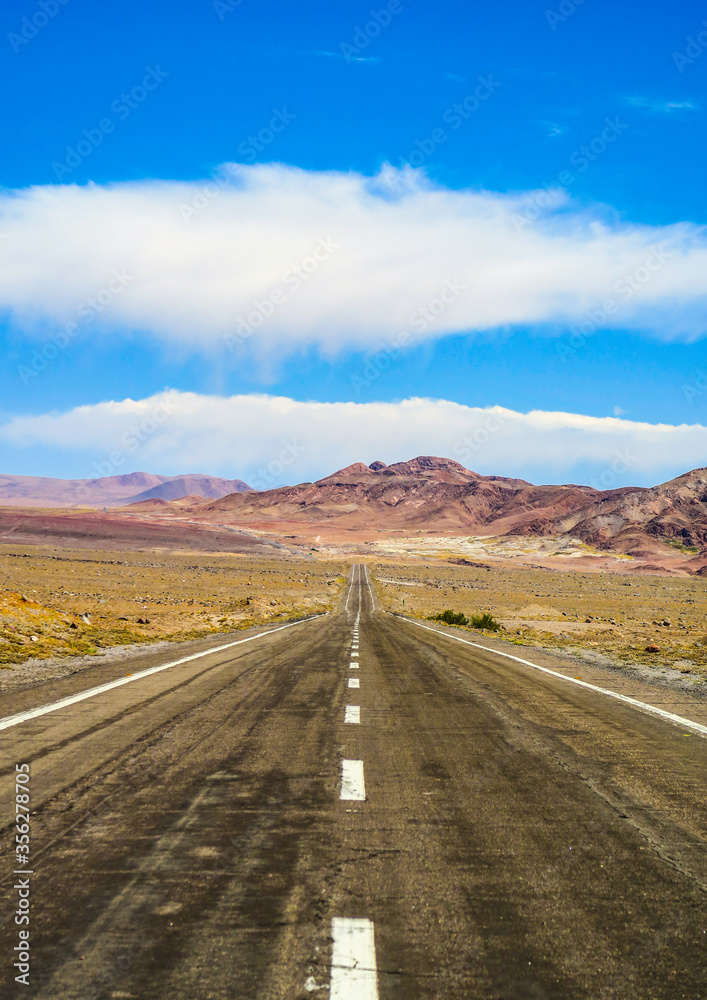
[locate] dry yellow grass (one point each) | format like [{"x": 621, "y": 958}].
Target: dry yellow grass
[
  {"x": 66, "y": 602},
  {"x": 614, "y": 614}
]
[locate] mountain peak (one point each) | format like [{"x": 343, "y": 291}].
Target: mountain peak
[
  {"x": 423, "y": 464},
  {"x": 430, "y": 463},
  {"x": 357, "y": 469}
]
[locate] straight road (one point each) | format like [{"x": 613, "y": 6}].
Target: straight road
[{"x": 254, "y": 824}]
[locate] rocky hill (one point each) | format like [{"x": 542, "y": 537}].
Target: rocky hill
[
  {"x": 633, "y": 520},
  {"x": 425, "y": 496},
  {"x": 438, "y": 495},
  {"x": 425, "y": 493}
]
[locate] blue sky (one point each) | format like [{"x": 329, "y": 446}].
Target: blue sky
[{"x": 552, "y": 83}]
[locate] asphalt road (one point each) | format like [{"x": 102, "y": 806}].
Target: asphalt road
[{"x": 218, "y": 830}]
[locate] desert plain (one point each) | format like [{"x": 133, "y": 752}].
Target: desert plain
[
  {"x": 616, "y": 578},
  {"x": 61, "y": 603},
  {"x": 71, "y": 602}
]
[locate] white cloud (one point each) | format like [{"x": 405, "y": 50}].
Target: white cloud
[
  {"x": 553, "y": 128},
  {"x": 660, "y": 106},
  {"x": 398, "y": 237},
  {"x": 269, "y": 440}
]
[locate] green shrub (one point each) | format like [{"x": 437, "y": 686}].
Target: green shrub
[
  {"x": 485, "y": 621},
  {"x": 450, "y": 617},
  {"x": 675, "y": 543}
]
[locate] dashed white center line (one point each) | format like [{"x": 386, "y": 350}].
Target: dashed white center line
[
  {"x": 353, "y": 682},
  {"x": 354, "y": 654},
  {"x": 353, "y": 714},
  {"x": 353, "y": 665},
  {"x": 353, "y": 787},
  {"x": 353, "y": 960}
]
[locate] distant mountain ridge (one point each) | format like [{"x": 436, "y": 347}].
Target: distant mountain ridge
[
  {"x": 439, "y": 495},
  {"x": 426, "y": 495},
  {"x": 111, "y": 491}
]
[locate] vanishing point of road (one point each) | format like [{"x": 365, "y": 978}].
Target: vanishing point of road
[{"x": 353, "y": 807}]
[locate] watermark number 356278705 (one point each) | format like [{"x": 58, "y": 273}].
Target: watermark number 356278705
[{"x": 22, "y": 868}]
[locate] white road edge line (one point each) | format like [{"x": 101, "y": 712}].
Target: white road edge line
[
  {"x": 353, "y": 714},
  {"x": 354, "y": 682},
  {"x": 353, "y": 574},
  {"x": 368, "y": 581},
  {"x": 35, "y": 713},
  {"x": 644, "y": 706},
  {"x": 353, "y": 960},
  {"x": 353, "y": 787}
]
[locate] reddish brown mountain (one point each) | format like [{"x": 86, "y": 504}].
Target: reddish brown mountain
[
  {"x": 430, "y": 495},
  {"x": 433, "y": 494},
  {"x": 439, "y": 496},
  {"x": 632, "y": 520}
]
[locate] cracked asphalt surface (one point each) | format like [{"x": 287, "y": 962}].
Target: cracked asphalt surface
[{"x": 520, "y": 838}]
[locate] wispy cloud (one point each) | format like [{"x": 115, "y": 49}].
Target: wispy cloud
[
  {"x": 275, "y": 52},
  {"x": 660, "y": 106},
  {"x": 338, "y": 55},
  {"x": 397, "y": 238},
  {"x": 237, "y": 434},
  {"x": 552, "y": 129}
]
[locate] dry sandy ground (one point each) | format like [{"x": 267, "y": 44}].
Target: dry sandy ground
[
  {"x": 63, "y": 602},
  {"x": 608, "y": 618},
  {"x": 92, "y": 529},
  {"x": 72, "y": 602},
  {"x": 546, "y": 552},
  {"x": 181, "y": 526}
]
